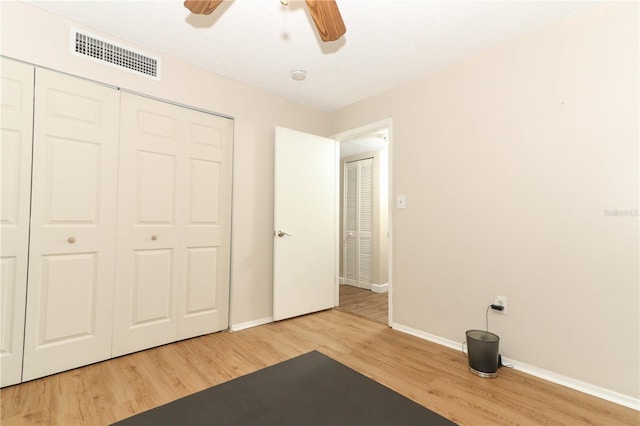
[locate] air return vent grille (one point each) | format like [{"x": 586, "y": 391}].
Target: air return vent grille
[{"x": 100, "y": 50}]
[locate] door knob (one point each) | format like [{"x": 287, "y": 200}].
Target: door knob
[{"x": 282, "y": 234}]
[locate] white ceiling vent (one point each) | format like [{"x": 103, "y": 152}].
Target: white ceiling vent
[{"x": 98, "y": 49}]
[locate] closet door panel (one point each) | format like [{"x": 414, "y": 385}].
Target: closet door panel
[
  {"x": 174, "y": 224},
  {"x": 365, "y": 225},
  {"x": 15, "y": 174},
  {"x": 73, "y": 317},
  {"x": 204, "y": 290},
  {"x": 156, "y": 189},
  {"x": 204, "y": 178},
  {"x": 150, "y": 210},
  {"x": 67, "y": 198},
  {"x": 200, "y": 295},
  {"x": 350, "y": 224},
  {"x": 71, "y": 263},
  {"x": 358, "y": 223},
  {"x": 152, "y": 300}
]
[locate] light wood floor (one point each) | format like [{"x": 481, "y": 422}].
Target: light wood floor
[
  {"x": 427, "y": 373},
  {"x": 364, "y": 303}
]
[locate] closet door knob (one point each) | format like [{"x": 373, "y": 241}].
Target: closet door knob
[
  {"x": 71, "y": 240},
  {"x": 154, "y": 237}
]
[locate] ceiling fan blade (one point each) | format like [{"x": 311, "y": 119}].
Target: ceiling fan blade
[
  {"x": 327, "y": 17},
  {"x": 202, "y": 7}
]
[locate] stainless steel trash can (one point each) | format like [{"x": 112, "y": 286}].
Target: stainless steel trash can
[{"x": 482, "y": 348}]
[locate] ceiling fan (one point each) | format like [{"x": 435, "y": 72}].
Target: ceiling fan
[{"x": 325, "y": 14}]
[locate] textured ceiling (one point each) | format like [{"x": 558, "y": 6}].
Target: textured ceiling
[
  {"x": 258, "y": 42},
  {"x": 369, "y": 142}
]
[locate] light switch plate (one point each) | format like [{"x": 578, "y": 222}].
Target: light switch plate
[{"x": 401, "y": 202}]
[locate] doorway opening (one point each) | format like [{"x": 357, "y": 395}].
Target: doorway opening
[{"x": 364, "y": 243}]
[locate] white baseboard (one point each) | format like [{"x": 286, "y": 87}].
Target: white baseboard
[
  {"x": 376, "y": 288},
  {"x": 426, "y": 336},
  {"x": 380, "y": 288},
  {"x": 249, "y": 324},
  {"x": 341, "y": 280},
  {"x": 572, "y": 383},
  {"x": 550, "y": 376}
]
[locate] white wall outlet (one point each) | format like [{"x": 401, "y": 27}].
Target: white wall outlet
[
  {"x": 501, "y": 301},
  {"x": 401, "y": 202}
]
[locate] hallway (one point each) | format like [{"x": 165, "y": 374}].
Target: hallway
[{"x": 364, "y": 303}]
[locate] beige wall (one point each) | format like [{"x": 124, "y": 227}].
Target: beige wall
[
  {"x": 37, "y": 37},
  {"x": 510, "y": 162}
]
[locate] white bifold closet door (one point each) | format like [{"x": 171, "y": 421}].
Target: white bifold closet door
[
  {"x": 358, "y": 223},
  {"x": 174, "y": 216},
  {"x": 73, "y": 224},
  {"x": 15, "y": 153}
]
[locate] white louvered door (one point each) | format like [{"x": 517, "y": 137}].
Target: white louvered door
[
  {"x": 15, "y": 151},
  {"x": 358, "y": 223},
  {"x": 174, "y": 216},
  {"x": 73, "y": 212}
]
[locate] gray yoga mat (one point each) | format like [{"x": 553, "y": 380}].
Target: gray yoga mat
[{"x": 311, "y": 389}]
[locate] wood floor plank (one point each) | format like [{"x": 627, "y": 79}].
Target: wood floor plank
[
  {"x": 432, "y": 375},
  {"x": 364, "y": 303}
]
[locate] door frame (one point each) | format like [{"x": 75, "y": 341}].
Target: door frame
[{"x": 386, "y": 123}]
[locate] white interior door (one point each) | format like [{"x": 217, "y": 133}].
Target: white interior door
[
  {"x": 305, "y": 223},
  {"x": 15, "y": 177},
  {"x": 71, "y": 260},
  {"x": 358, "y": 223},
  {"x": 174, "y": 217}
]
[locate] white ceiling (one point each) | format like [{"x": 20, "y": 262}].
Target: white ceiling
[
  {"x": 258, "y": 42},
  {"x": 370, "y": 142}
]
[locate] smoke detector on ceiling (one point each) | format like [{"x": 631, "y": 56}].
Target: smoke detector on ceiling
[{"x": 298, "y": 74}]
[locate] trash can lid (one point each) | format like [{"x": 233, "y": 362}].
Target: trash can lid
[{"x": 483, "y": 336}]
